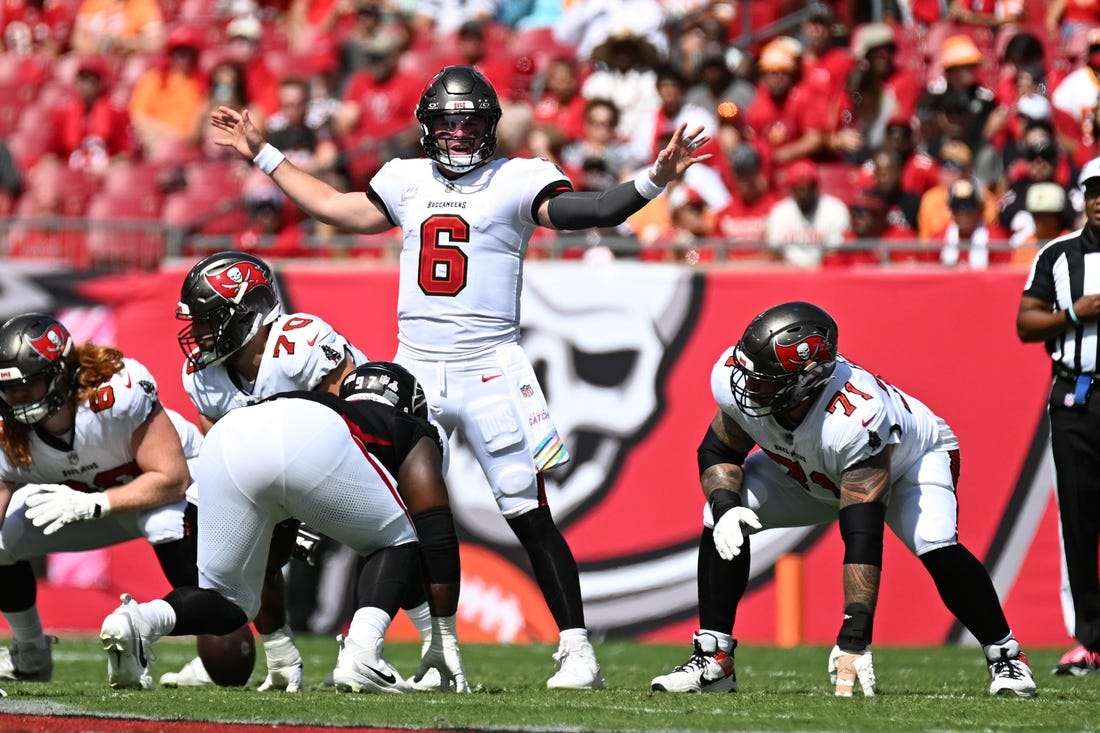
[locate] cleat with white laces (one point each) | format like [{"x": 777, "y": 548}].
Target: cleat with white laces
[
  {"x": 1009, "y": 670},
  {"x": 28, "y": 661},
  {"x": 362, "y": 669},
  {"x": 126, "y": 639},
  {"x": 1079, "y": 662},
  {"x": 708, "y": 670},
  {"x": 578, "y": 669},
  {"x": 192, "y": 674}
]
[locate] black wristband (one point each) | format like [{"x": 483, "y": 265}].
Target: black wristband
[{"x": 721, "y": 501}]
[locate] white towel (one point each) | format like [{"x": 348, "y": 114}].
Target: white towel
[{"x": 547, "y": 448}]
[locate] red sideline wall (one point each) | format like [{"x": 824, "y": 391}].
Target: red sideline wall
[{"x": 946, "y": 337}]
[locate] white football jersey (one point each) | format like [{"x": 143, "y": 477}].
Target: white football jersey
[
  {"x": 854, "y": 417},
  {"x": 301, "y": 350},
  {"x": 464, "y": 244},
  {"x": 101, "y": 455}
]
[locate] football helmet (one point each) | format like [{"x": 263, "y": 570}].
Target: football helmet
[
  {"x": 786, "y": 353},
  {"x": 388, "y": 383},
  {"x": 34, "y": 346},
  {"x": 225, "y": 298},
  {"x": 458, "y": 92}
]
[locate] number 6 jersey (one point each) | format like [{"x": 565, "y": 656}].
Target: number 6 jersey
[{"x": 464, "y": 244}]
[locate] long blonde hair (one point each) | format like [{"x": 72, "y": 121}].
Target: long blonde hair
[{"x": 89, "y": 367}]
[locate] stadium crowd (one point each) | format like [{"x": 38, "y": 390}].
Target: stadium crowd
[{"x": 957, "y": 134}]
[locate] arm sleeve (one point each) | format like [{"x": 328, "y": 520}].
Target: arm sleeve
[{"x": 580, "y": 210}]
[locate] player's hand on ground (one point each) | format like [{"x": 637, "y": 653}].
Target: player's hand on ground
[
  {"x": 235, "y": 130},
  {"x": 678, "y": 155},
  {"x": 729, "y": 533},
  {"x": 444, "y": 656},
  {"x": 288, "y": 679},
  {"x": 846, "y": 668}
]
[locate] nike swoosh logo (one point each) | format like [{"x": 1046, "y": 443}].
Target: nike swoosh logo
[
  {"x": 490, "y": 377},
  {"x": 141, "y": 655},
  {"x": 385, "y": 677},
  {"x": 127, "y": 380},
  {"x": 870, "y": 420},
  {"x": 313, "y": 340}
]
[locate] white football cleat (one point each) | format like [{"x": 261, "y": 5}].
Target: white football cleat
[
  {"x": 126, "y": 639},
  {"x": 362, "y": 669},
  {"x": 1009, "y": 670},
  {"x": 579, "y": 669},
  {"x": 708, "y": 670}
]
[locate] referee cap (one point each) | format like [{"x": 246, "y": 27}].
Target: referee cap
[{"x": 1090, "y": 171}]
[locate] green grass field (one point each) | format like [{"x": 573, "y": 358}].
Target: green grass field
[{"x": 940, "y": 689}]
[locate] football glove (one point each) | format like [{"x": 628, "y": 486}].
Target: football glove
[
  {"x": 728, "y": 534},
  {"x": 58, "y": 505},
  {"x": 443, "y": 656},
  {"x": 845, "y": 668},
  {"x": 284, "y": 665}
]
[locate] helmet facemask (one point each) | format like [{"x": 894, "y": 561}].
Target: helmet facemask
[
  {"x": 758, "y": 394},
  {"x": 459, "y": 141},
  {"x": 214, "y": 338}
]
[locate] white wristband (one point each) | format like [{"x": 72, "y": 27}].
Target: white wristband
[
  {"x": 645, "y": 186},
  {"x": 269, "y": 158}
]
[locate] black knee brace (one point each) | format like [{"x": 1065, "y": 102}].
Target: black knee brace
[
  {"x": 386, "y": 577},
  {"x": 203, "y": 611}
]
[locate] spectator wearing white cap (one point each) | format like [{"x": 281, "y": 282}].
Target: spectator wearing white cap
[
  {"x": 261, "y": 83},
  {"x": 1044, "y": 211}
]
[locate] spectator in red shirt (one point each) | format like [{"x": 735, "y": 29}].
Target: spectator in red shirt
[
  {"x": 745, "y": 218},
  {"x": 562, "y": 105},
  {"x": 374, "y": 124},
  {"x": 787, "y": 117},
  {"x": 919, "y": 171},
  {"x": 243, "y": 48},
  {"x": 29, "y": 25},
  {"x": 824, "y": 65},
  {"x": 91, "y": 129},
  {"x": 967, "y": 237}
]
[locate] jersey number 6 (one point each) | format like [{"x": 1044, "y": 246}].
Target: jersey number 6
[{"x": 442, "y": 268}]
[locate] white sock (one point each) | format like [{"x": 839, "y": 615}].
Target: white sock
[
  {"x": 278, "y": 635},
  {"x": 573, "y": 638},
  {"x": 421, "y": 617},
  {"x": 368, "y": 626},
  {"x": 160, "y": 615},
  {"x": 725, "y": 641},
  {"x": 25, "y": 625}
]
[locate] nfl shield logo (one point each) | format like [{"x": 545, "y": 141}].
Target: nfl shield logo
[{"x": 526, "y": 391}]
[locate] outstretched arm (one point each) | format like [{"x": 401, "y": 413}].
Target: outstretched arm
[
  {"x": 580, "y": 210},
  {"x": 351, "y": 211}
]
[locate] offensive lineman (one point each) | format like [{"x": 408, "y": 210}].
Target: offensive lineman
[
  {"x": 466, "y": 219},
  {"x": 835, "y": 442},
  {"x": 90, "y": 459},
  {"x": 241, "y": 348},
  {"x": 366, "y": 470}
]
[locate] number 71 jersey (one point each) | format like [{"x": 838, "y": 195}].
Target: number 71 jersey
[
  {"x": 463, "y": 247},
  {"x": 855, "y": 416}
]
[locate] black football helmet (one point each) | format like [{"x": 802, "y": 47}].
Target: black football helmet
[
  {"x": 465, "y": 92},
  {"x": 388, "y": 383},
  {"x": 35, "y": 346},
  {"x": 226, "y": 298},
  {"x": 786, "y": 353}
]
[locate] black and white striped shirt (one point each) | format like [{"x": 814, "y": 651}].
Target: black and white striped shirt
[{"x": 1064, "y": 270}]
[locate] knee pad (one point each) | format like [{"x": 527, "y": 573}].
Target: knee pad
[
  {"x": 163, "y": 524},
  {"x": 498, "y": 428}
]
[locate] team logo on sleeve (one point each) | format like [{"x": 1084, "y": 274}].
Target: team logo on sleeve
[
  {"x": 233, "y": 282},
  {"x": 794, "y": 356},
  {"x": 52, "y": 344}
]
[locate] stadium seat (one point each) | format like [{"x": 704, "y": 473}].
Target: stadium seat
[
  {"x": 126, "y": 178},
  {"x": 124, "y": 231},
  {"x": 203, "y": 212}
]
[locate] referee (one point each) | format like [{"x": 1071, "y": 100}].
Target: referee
[{"x": 1061, "y": 306}]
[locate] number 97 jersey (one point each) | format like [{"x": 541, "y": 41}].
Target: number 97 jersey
[{"x": 464, "y": 244}]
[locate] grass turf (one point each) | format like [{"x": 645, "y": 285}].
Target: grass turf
[{"x": 941, "y": 688}]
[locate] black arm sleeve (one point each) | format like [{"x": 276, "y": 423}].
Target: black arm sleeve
[
  {"x": 581, "y": 209},
  {"x": 713, "y": 450}
]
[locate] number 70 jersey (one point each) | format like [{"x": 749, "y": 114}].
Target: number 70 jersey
[{"x": 463, "y": 247}]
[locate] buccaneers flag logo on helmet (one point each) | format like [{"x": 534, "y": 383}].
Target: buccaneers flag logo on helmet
[
  {"x": 234, "y": 281},
  {"x": 794, "y": 356},
  {"x": 52, "y": 344}
]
